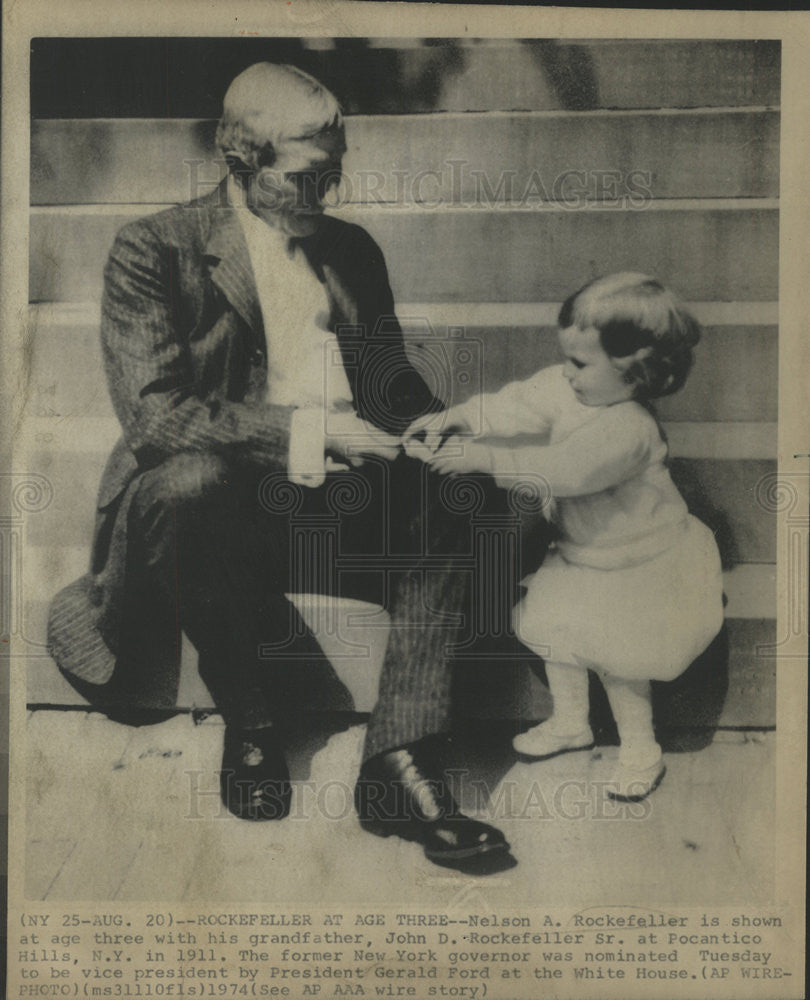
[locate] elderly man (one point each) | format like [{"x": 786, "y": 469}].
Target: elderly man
[{"x": 252, "y": 354}]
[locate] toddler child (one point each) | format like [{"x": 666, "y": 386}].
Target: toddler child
[{"x": 633, "y": 587}]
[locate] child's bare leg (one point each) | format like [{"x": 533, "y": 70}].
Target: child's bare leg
[
  {"x": 568, "y": 728},
  {"x": 641, "y": 766}
]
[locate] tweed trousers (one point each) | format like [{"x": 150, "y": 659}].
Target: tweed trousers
[{"x": 223, "y": 544}]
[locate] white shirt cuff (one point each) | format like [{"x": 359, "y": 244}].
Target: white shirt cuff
[
  {"x": 472, "y": 410},
  {"x": 305, "y": 463}
]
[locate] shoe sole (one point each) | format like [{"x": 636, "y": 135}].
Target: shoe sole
[
  {"x": 472, "y": 852},
  {"x": 257, "y": 817},
  {"x": 460, "y": 855},
  {"x": 638, "y": 798},
  {"x": 259, "y": 814},
  {"x": 530, "y": 757}
]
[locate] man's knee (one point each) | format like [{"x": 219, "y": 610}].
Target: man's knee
[{"x": 181, "y": 487}]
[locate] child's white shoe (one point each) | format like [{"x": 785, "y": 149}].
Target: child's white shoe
[
  {"x": 544, "y": 741},
  {"x": 632, "y": 784}
]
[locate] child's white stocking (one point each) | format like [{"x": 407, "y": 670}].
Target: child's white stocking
[
  {"x": 569, "y": 687},
  {"x": 631, "y": 704}
]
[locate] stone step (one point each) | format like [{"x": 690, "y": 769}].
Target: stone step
[
  {"x": 490, "y": 357},
  {"x": 513, "y": 692},
  {"x": 435, "y": 158},
  {"x": 750, "y": 588},
  {"x": 353, "y": 636},
  {"x": 711, "y": 250},
  {"x": 726, "y": 494},
  {"x": 728, "y": 441},
  {"x": 187, "y": 77}
]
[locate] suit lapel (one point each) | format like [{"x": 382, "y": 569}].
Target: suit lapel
[
  {"x": 343, "y": 305},
  {"x": 326, "y": 262},
  {"x": 231, "y": 270}
]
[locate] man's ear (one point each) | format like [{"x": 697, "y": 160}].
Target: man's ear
[{"x": 237, "y": 166}]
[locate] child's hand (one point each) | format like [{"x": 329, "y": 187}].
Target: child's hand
[
  {"x": 414, "y": 448},
  {"x": 458, "y": 456},
  {"x": 436, "y": 427}
]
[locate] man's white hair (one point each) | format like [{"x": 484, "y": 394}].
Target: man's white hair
[{"x": 269, "y": 103}]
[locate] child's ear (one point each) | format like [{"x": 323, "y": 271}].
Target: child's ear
[
  {"x": 639, "y": 355},
  {"x": 633, "y": 371},
  {"x": 628, "y": 362}
]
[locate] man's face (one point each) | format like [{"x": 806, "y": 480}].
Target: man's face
[{"x": 290, "y": 194}]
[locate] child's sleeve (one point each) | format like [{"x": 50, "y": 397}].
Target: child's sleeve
[
  {"x": 607, "y": 450},
  {"x": 525, "y": 407}
]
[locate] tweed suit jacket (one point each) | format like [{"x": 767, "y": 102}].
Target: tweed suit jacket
[{"x": 185, "y": 355}]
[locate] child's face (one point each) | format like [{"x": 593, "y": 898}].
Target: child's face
[{"x": 592, "y": 374}]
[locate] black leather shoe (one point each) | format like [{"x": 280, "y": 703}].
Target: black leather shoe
[
  {"x": 254, "y": 780},
  {"x": 398, "y": 794}
]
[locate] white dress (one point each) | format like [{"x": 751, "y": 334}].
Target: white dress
[{"x": 634, "y": 586}]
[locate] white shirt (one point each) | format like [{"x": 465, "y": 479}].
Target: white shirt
[{"x": 304, "y": 364}]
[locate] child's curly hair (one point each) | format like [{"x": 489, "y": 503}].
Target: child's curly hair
[{"x": 634, "y": 312}]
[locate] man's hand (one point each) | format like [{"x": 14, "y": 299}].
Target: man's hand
[
  {"x": 458, "y": 456},
  {"x": 436, "y": 427},
  {"x": 351, "y": 437}
]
